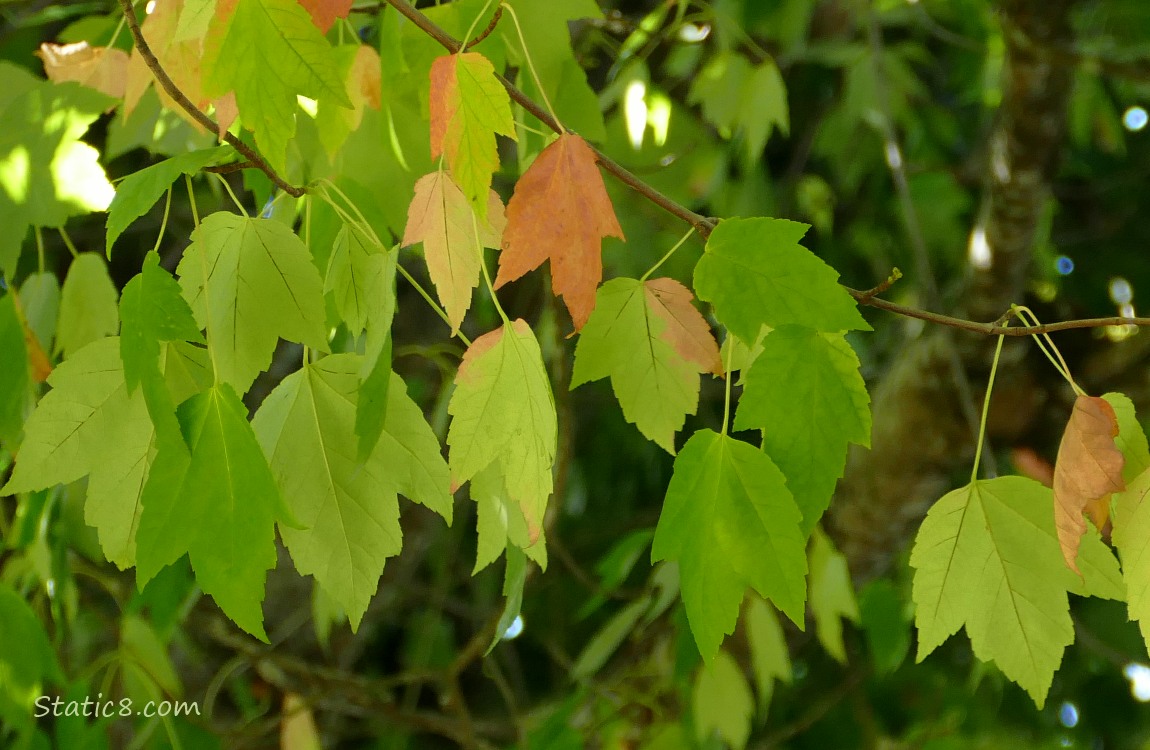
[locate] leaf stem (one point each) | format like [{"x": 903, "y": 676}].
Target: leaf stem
[
  {"x": 68, "y": 242},
  {"x": 486, "y": 273},
  {"x": 1029, "y": 319},
  {"x": 531, "y": 67},
  {"x": 986, "y": 409},
  {"x": 192, "y": 201},
  {"x": 164, "y": 221},
  {"x": 39, "y": 247},
  {"x": 727, "y": 386},
  {"x": 235, "y": 200},
  {"x": 670, "y": 252}
]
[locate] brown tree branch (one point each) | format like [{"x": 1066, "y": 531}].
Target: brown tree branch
[{"x": 169, "y": 86}]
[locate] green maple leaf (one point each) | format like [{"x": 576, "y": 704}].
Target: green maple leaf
[
  {"x": 469, "y": 106},
  {"x": 152, "y": 311},
  {"x": 722, "y": 702},
  {"x": 500, "y": 521},
  {"x": 219, "y": 504},
  {"x": 349, "y": 509},
  {"x": 47, "y": 173},
  {"x": 249, "y": 282},
  {"x": 987, "y": 558},
  {"x": 756, "y": 273},
  {"x": 27, "y": 659},
  {"x": 1131, "y": 512},
  {"x": 87, "y": 305},
  {"x": 139, "y": 191},
  {"x": 269, "y": 52},
  {"x": 730, "y": 522},
  {"x": 832, "y": 594},
  {"x": 656, "y": 387},
  {"x": 89, "y": 424},
  {"x": 805, "y": 393},
  {"x": 770, "y": 659},
  {"x": 503, "y": 411},
  {"x": 14, "y": 381},
  {"x": 361, "y": 278},
  {"x": 360, "y": 275}
]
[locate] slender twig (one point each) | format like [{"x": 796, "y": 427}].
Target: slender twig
[
  {"x": 487, "y": 31},
  {"x": 992, "y": 328},
  {"x": 196, "y": 113},
  {"x": 886, "y": 284},
  {"x": 229, "y": 168}
]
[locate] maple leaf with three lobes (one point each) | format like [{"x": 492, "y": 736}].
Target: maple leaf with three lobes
[{"x": 560, "y": 210}]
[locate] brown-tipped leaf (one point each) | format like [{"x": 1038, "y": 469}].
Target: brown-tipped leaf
[{"x": 1087, "y": 472}]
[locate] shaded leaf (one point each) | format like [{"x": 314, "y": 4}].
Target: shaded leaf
[
  {"x": 722, "y": 702},
  {"x": 560, "y": 211},
  {"x": 87, "y": 305},
  {"x": 770, "y": 659},
  {"x": 500, "y": 521},
  {"x": 832, "y": 594}
]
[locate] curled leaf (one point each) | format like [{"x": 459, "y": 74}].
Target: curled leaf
[{"x": 1087, "y": 472}]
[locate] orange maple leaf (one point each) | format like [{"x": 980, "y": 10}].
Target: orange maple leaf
[
  {"x": 180, "y": 59},
  {"x": 687, "y": 331},
  {"x": 560, "y": 210},
  {"x": 324, "y": 12},
  {"x": 1087, "y": 472}
]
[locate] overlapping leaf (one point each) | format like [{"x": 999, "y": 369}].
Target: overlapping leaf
[
  {"x": 249, "y": 282},
  {"x": 47, "y": 173},
  {"x": 453, "y": 238},
  {"x": 1088, "y": 471},
  {"x": 500, "y": 521},
  {"x": 469, "y": 106},
  {"x": 360, "y": 69},
  {"x": 503, "y": 413},
  {"x": 1132, "y": 512},
  {"x": 152, "y": 312},
  {"x": 730, "y": 522},
  {"x": 832, "y": 594},
  {"x": 805, "y": 393},
  {"x": 756, "y": 273},
  {"x": 324, "y": 12},
  {"x": 15, "y": 393},
  {"x": 219, "y": 506},
  {"x": 636, "y": 336},
  {"x": 722, "y": 702},
  {"x": 770, "y": 659},
  {"x": 139, "y": 191},
  {"x": 89, "y": 424},
  {"x": 349, "y": 509},
  {"x": 87, "y": 305},
  {"x": 102, "y": 68},
  {"x": 987, "y": 557},
  {"x": 560, "y": 210},
  {"x": 269, "y": 52}
]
